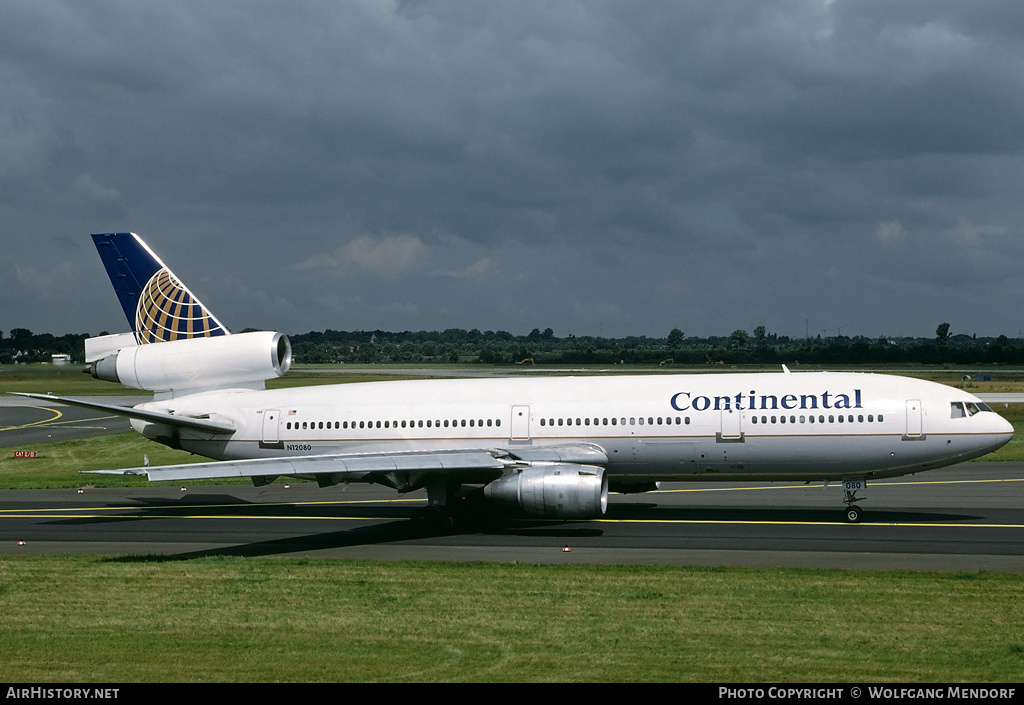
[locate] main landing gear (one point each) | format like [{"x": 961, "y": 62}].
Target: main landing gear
[
  {"x": 435, "y": 518},
  {"x": 446, "y": 511},
  {"x": 853, "y": 514}
]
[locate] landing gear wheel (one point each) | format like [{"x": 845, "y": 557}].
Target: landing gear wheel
[
  {"x": 434, "y": 519},
  {"x": 853, "y": 514}
]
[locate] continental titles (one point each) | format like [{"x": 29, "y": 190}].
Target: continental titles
[{"x": 686, "y": 401}]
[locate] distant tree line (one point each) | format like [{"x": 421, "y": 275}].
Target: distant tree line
[
  {"x": 24, "y": 346},
  {"x": 544, "y": 348},
  {"x": 457, "y": 346}
]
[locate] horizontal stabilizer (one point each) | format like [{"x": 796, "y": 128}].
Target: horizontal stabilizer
[
  {"x": 99, "y": 348},
  {"x": 132, "y": 413}
]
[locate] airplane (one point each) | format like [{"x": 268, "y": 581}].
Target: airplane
[{"x": 550, "y": 447}]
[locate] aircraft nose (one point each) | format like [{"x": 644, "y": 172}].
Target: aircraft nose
[{"x": 999, "y": 429}]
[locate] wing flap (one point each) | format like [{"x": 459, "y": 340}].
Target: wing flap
[
  {"x": 577, "y": 453},
  {"x": 351, "y": 467}
]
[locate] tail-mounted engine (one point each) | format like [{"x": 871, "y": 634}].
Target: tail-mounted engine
[
  {"x": 198, "y": 363},
  {"x": 553, "y": 490}
]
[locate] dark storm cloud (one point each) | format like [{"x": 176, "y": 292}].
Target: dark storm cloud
[{"x": 601, "y": 167}]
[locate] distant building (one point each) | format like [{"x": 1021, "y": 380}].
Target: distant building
[{"x": 60, "y": 359}]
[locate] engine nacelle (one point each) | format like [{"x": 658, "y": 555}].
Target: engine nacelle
[
  {"x": 198, "y": 363},
  {"x": 555, "y": 490}
]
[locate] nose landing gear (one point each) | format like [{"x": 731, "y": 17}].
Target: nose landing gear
[{"x": 853, "y": 514}]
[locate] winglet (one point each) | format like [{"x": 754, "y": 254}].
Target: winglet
[{"x": 158, "y": 306}]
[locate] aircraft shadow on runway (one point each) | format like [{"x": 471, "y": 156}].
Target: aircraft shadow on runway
[
  {"x": 390, "y": 523},
  {"x": 775, "y": 515}
]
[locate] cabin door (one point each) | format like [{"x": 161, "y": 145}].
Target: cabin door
[
  {"x": 732, "y": 429},
  {"x": 520, "y": 424},
  {"x": 271, "y": 425},
  {"x": 914, "y": 421}
]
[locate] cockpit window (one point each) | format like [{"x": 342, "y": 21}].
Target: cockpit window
[{"x": 961, "y": 409}]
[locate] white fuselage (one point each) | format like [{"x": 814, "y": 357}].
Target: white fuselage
[{"x": 805, "y": 426}]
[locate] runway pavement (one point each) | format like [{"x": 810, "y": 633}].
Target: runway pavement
[
  {"x": 25, "y": 421},
  {"x": 968, "y": 517}
]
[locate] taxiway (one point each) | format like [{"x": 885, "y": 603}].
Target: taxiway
[{"x": 968, "y": 517}]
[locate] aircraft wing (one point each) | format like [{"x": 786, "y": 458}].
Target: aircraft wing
[
  {"x": 397, "y": 469},
  {"x": 195, "y": 424}
]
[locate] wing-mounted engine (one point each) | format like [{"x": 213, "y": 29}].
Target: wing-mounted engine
[
  {"x": 553, "y": 490},
  {"x": 198, "y": 364}
]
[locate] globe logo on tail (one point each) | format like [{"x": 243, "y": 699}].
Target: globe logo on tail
[{"x": 168, "y": 311}]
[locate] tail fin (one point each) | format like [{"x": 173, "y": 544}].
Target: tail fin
[{"x": 158, "y": 306}]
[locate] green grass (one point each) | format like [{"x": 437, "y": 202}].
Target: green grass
[
  {"x": 70, "y": 380},
  {"x": 246, "y": 619},
  {"x": 63, "y": 380},
  {"x": 57, "y": 464}
]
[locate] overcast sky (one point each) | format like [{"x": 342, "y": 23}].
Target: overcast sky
[{"x": 600, "y": 168}]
